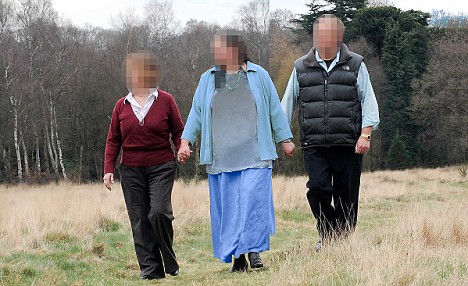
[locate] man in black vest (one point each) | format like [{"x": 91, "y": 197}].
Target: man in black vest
[{"x": 337, "y": 113}]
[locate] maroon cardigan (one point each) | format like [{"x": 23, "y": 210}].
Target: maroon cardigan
[{"x": 147, "y": 144}]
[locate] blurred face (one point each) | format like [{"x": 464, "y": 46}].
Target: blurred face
[
  {"x": 328, "y": 36},
  {"x": 142, "y": 71},
  {"x": 223, "y": 54}
]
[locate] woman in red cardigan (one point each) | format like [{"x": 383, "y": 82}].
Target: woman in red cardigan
[{"x": 143, "y": 125}]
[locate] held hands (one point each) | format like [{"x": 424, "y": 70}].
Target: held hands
[
  {"x": 362, "y": 146},
  {"x": 108, "y": 180},
  {"x": 184, "y": 151},
  {"x": 288, "y": 148}
]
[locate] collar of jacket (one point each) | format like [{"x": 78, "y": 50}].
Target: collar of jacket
[
  {"x": 311, "y": 61},
  {"x": 250, "y": 67}
]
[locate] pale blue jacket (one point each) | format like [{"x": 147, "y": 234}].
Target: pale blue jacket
[{"x": 272, "y": 124}]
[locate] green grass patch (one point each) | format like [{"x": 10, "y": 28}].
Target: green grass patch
[
  {"x": 463, "y": 185},
  {"x": 446, "y": 270},
  {"x": 58, "y": 237},
  {"x": 295, "y": 216},
  {"x": 108, "y": 225}
]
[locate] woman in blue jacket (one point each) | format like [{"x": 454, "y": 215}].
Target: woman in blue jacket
[{"x": 237, "y": 111}]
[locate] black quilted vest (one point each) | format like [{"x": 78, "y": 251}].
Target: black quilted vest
[{"x": 329, "y": 104}]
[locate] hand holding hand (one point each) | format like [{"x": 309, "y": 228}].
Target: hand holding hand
[
  {"x": 288, "y": 148},
  {"x": 108, "y": 180},
  {"x": 184, "y": 151}
]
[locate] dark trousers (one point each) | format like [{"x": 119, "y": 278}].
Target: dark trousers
[
  {"x": 147, "y": 192},
  {"x": 334, "y": 178}
]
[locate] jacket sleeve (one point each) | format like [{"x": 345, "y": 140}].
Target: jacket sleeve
[
  {"x": 288, "y": 103},
  {"x": 279, "y": 123},
  {"x": 370, "y": 108},
  {"x": 194, "y": 120}
]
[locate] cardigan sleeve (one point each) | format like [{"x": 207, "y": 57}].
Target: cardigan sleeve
[
  {"x": 176, "y": 124},
  {"x": 114, "y": 141}
]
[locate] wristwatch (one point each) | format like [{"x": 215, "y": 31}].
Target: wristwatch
[
  {"x": 367, "y": 136},
  {"x": 286, "y": 140}
]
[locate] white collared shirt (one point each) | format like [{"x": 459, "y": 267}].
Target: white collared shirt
[{"x": 140, "y": 113}]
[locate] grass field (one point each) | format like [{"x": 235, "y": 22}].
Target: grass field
[{"x": 412, "y": 230}]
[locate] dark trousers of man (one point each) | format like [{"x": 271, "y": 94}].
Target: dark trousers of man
[
  {"x": 334, "y": 178},
  {"x": 147, "y": 192}
]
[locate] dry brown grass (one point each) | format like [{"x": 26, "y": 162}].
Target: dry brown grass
[
  {"x": 412, "y": 228},
  {"x": 28, "y": 214}
]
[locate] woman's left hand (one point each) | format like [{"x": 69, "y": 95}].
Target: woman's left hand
[{"x": 288, "y": 148}]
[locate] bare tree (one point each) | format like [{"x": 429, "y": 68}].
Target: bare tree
[
  {"x": 6, "y": 13},
  {"x": 255, "y": 21},
  {"x": 131, "y": 31},
  {"x": 162, "y": 26},
  {"x": 9, "y": 81}
]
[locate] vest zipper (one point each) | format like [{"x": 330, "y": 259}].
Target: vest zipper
[{"x": 326, "y": 109}]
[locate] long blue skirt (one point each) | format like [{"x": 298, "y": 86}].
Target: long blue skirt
[{"x": 242, "y": 214}]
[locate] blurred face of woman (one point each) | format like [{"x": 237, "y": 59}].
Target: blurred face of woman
[
  {"x": 223, "y": 54},
  {"x": 142, "y": 72}
]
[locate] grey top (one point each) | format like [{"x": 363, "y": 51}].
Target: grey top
[{"x": 234, "y": 127}]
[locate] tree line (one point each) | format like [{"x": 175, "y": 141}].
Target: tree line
[{"x": 59, "y": 82}]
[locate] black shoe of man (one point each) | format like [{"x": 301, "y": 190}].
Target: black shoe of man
[{"x": 149, "y": 277}]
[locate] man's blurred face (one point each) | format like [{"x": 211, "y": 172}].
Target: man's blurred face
[{"x": 328, "y": 36}]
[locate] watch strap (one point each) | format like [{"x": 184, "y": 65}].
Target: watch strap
[{"x": 366, "y": 136}]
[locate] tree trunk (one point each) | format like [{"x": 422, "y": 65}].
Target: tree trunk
[
  {"x": 15, "y": 136},
  {"x": 38, "y": 154},
  {"x": 99, "y": 170},
  {"x": 25, "y": 155},
  {"x": 80, "y": 164},
  {"x": 52, "y": 159},
  {"x": 51, "y": 141},
  {"x": 6, "y": 162},
  {"x": 46, "y": 158},
  {"x": 59, "y": 146}
]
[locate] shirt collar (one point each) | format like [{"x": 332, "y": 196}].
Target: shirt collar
[
  {"x": 129, "y": 98},
  {"x": 320, "y": 60},
  {"x": 250, "y": 67}
]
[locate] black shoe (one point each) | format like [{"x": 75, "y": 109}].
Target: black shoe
[
  {"x": 240, "y": 264},
  {"x": 255, "y": 260},
  {"x": 149, "y": 277},
  {"x": 174, "y": 273}
]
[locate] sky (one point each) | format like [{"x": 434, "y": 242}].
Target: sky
[{"x": 100, "y": 12}]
